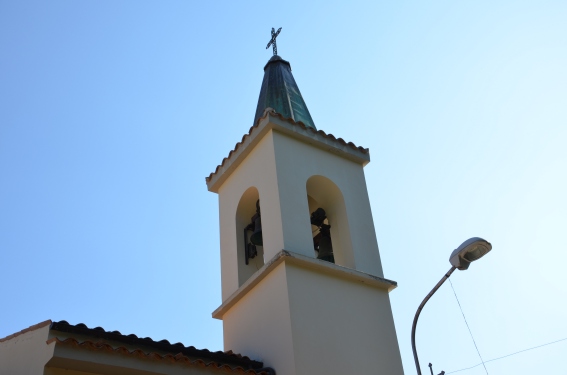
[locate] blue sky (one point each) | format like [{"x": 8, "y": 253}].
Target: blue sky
[{"x": 113, "y": 113}]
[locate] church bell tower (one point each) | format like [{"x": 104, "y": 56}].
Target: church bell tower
[{"x": 302, "y": 282}]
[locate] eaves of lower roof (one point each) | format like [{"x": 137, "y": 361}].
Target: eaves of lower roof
[
  {"x": 172, "y": 358},
  {"x": 221, "y": 358}
]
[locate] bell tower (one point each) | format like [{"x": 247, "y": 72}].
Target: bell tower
[{"x": 302, "y": 282}]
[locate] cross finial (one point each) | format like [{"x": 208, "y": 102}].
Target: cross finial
[{"x": 273, "y": 40}]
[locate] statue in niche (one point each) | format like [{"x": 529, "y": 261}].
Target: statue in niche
[{"x": 322, "y": 241}]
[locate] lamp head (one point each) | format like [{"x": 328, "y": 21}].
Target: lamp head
[{"x": 469, "y": 251}]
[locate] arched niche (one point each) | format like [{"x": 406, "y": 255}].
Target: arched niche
[
  {"x": 244, "y": 212},
  {"x": 322, "y": 192}
]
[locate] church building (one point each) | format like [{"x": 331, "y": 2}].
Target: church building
[{"x": 303, "y": 290}]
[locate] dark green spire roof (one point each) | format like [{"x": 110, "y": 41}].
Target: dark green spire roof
[{"x": 280, "y": 92}]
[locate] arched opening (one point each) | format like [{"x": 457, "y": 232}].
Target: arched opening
[
  {"x": 323, "y": 193},
  {"x": 250, "y": 257}
]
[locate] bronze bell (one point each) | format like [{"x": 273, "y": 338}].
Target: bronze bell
[
  {"x": 325, "y": 245},
  {"x": 322, "y": 241},
  {"x": 318, "y": 217},
  {"x": 256, "y": 237},
  {"x": 251, "y": 251}
]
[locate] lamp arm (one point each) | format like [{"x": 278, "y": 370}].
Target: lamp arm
[{"x": 443, "y": 279}]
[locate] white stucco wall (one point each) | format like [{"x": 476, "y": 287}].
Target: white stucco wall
[
  {"x": 259, "y": 325},
  {"x": 302, "y": 321},
  {"x": 257, "y": 170},
  {"x": 279, "y": 167},
  {"x": 27, "y": 353},
  {"x": 296, "y": 162},
  {"x": 340, "y": 326}
]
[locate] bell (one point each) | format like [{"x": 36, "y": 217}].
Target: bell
[
  {"x": 251, "y": 252},
  {"x": 325, "y": 244},
  {"x": 318, "y": 216},
  {"x": 325, "y": 247},
  {"x": 256, "y": 237}
]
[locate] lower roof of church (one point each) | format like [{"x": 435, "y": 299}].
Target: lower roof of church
[{"x": 98, "y": 339}]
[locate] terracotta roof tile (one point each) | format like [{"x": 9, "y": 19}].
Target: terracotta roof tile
[
  {"x": 290, "y": 121},
  {"x": 219, "y": 357},
  {"x": 138, "y": 353}
]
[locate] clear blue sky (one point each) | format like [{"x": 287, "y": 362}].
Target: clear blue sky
[{"x": 112, "y": 114}]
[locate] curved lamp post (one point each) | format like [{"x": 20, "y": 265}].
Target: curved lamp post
[{"x": 469, "y": 251}]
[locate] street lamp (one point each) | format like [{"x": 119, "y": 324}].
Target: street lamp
[{"x": 469, "y": 251}]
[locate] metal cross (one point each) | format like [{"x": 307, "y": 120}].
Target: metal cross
[{"x": 273, "y": 40}]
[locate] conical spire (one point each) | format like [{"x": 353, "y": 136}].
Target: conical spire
[{"x": 280, "y": 92}]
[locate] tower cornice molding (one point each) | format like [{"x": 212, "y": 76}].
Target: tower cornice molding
[
  {"x": 291, "y": 258},
  {"x": 276, "y": 122}
]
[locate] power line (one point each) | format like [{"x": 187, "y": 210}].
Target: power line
[
  {"x": 508, "y": 355},
  {"x": 469, "y": 328}
]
